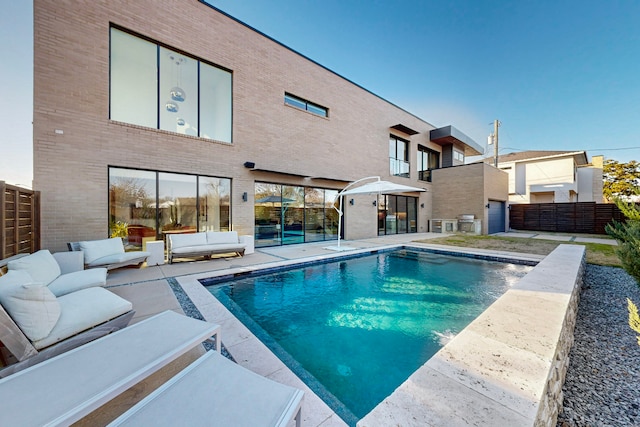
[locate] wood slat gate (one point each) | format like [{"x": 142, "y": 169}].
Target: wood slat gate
[{"x": 19, "y": 220}]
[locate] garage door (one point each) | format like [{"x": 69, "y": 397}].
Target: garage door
[{"x": 496, "y": 217}]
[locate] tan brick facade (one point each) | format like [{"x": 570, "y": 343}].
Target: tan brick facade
[
  {"x": 467, "y": 190},
  {"x": 75, "y": 142}
]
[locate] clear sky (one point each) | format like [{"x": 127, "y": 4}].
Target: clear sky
[{"x": 559, "y": 75}]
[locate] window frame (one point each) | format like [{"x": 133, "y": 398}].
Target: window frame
[
  {"x": 305, "y": 105},
  {"x": 159, "y": 101}
]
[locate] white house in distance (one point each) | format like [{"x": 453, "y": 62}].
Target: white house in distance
[{"x": 552, "y": 176}]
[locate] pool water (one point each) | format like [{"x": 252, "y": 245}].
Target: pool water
[{"x": 362, "y": 326}]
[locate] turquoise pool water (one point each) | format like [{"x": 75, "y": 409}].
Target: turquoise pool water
[{"x": 363, "y": 325}]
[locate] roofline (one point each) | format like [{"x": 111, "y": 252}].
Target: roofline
[
  {"x": 568, "y": 153},
  {"x": 311, "y": 60}
]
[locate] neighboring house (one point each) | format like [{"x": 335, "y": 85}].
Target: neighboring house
[
  {"x": 166, "y": 117},
  {"x": 552, "y": 176}
]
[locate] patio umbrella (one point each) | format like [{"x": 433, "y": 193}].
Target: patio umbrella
[
  {"x": 274, "y": 199},
  {"x": 380, "y": 187},
  {"x": 375, "y": 187}
]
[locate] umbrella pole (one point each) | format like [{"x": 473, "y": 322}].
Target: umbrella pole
[{"x": 339, "y": 220}]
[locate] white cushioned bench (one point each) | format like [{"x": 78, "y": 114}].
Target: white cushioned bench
[
  {"x": 204, "y": 244},
  {"x": 62, "y": 390}
]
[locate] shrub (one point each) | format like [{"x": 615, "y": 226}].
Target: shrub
[{"x": 628, "y": 236}]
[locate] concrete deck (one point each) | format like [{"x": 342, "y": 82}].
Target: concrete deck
[
  {"x": 604, "y": 240},
  {"x": 149, "y": 291}
]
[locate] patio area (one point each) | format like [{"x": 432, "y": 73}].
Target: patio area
[{"x": 174, "y": 287}]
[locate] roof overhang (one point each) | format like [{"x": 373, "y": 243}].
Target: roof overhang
[
  {"x": 404, "y": 129},
  {"x": 450, "y": 135}
]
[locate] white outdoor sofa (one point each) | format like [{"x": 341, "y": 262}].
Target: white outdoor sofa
[
  {"x": 203, "y": 244},
  {"x": 107, "y": 253},
  {"x": 49, "y": 304}
]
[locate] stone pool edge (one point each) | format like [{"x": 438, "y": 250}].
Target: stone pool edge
[{"x": 508, "y": 366}]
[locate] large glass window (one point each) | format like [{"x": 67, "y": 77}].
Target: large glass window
[
  {"x": 428, "y": 160},
  {"x": 398, "y": 156},
  {"x": 287, "y": 214},
  {"x": 397, "y": 214},
  {"x": 158, "y": 87},
  {"x": 134, "y": 80},
  {"x": 147, "y": 205}
]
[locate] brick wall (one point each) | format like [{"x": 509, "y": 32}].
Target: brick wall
[{"x": 75, "y": 142}]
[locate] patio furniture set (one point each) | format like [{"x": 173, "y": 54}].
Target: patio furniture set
[{"x": 63, "y": 328}]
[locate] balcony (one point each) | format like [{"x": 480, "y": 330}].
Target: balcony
[{"x": 398, "y": 167}]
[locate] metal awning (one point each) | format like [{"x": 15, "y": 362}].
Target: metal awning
[{"x": 450, "y": 135}]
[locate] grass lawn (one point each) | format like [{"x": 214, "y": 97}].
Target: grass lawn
[{"x": 597, "y": 253}]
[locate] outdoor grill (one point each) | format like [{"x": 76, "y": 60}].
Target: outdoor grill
[{"x": 466, "y": 223}]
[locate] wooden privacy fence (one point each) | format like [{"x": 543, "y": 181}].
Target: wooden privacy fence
[
  {"x": 582, "y": 217},
  {"x": 19, "y": 220}
]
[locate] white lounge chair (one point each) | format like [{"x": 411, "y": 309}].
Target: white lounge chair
[
  {"x": 215, "y": 391},
  {"x": 107, "y": 253},
  {"x": 62, "y": 390},
  {"x": 41, "y": 319}
]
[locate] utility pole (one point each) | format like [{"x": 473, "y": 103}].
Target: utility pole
[{"x": 496, "y": 125}]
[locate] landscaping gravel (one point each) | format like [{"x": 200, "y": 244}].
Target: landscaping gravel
[{"x": 603, "y": 379}]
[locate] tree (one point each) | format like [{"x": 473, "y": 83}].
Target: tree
[
  {"x": 628, "y": 236},
  {"x": 620, "y": 180}
]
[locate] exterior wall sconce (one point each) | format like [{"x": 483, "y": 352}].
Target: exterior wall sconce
[
  {"x": 352, "y": 202},
  {"x": 422, "y": 205},
  {"x": 249, "y": 165},
  {"x": 375, "y": 203},
  {"x": 487, "y": 206},
  {"x": 244, "y": 196}
]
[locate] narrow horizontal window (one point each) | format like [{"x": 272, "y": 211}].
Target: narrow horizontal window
[{"x": 303, "y": 104}]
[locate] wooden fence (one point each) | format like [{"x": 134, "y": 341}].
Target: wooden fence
[
  {"x": 19, "y": 220},
  {"x": 583, "y": 217}
]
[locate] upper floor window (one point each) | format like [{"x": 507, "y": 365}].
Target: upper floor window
[
  {"x": 427, "y": 161},
  {"x": 398, "y": 156},
  {"x": 303, "y": 104},
  {"x": 157, "y": 87},
  {"x": 458, "y": 155}
]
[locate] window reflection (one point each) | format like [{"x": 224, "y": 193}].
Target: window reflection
[
  {"x": 191, "y": 97},
  {"x": 183, "y": 204},
  {"x": 293, "y": 214}
]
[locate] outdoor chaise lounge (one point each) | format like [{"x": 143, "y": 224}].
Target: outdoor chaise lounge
[
  {"x": 64, "y": 389},
  {"x": 218, "y": 392},
  {"x": 47, "y": 308},
  {"x": 107, "y": 253}
]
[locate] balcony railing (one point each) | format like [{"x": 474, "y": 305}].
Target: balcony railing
[
  {"x": 399, "y": 167},
  {"x": 425, "y": 175}
]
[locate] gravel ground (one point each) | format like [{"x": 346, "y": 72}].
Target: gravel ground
[{"x": 602, "y": 386}]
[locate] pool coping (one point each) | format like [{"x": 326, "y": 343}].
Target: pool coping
[
  {"x": 508, "y": 366},
  {"x": 254, "y": 355}
]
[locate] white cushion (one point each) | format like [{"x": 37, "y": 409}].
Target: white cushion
[
  {"x": 216, "y": 237},
  {"x": 137, "y": 256},
  {"x": 82, "y": 310},
  {"x": 41, "y": 266},
  {"x": 191, "y": 239},
  {"x": 211, "y": 249},
  {"x": 77, "y": 280},
  {"x": 94, "y": 249},
  {"x": 31, "y": 305}
]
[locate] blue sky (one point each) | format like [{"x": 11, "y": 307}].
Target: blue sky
[{"x": 559, "y": 75}]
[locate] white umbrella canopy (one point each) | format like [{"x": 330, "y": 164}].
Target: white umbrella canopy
[
  {"x": 380, "y": 187},
  {"x": 375, "y": 187}
]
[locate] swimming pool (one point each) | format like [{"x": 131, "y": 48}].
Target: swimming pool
[{"x": 362, "y": 326}]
